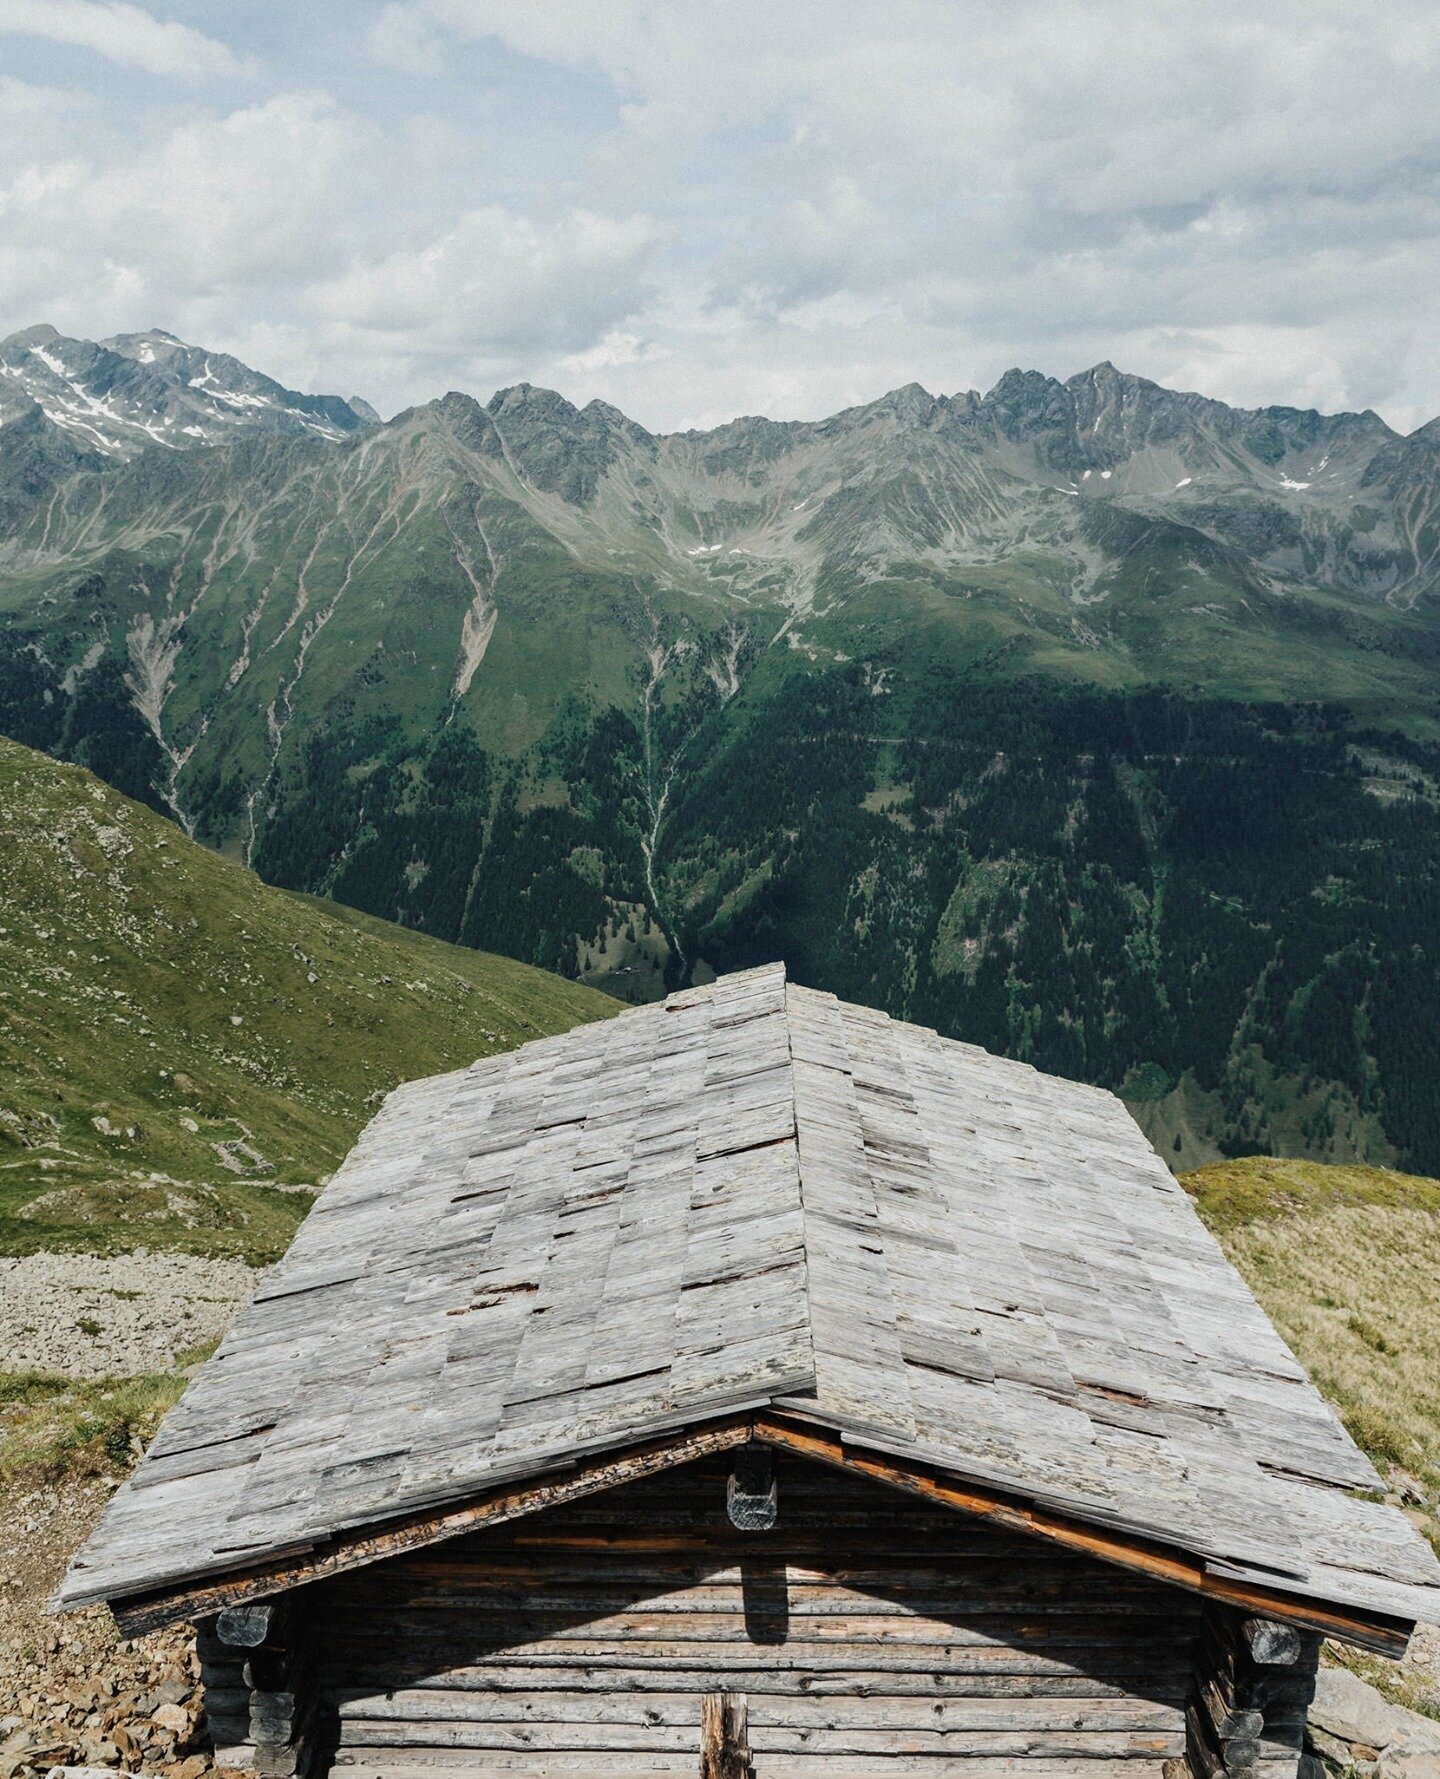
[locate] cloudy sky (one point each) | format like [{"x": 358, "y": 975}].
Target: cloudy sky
[{"x": 695, "y": 209}]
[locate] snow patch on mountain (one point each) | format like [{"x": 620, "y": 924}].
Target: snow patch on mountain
[{"x": 134, "y": 391}]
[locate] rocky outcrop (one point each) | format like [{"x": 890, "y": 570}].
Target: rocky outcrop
[{"x": 1356, "y": 1733}]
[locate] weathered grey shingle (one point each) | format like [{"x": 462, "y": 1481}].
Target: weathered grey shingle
[{"x": 756, "y": 1195}]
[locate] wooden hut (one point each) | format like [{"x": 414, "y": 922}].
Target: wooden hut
[{"x": 755, "y": 1383}]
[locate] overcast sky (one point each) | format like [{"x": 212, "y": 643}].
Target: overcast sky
[{"x": 698, "y": 208}]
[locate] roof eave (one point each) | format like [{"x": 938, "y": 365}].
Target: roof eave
[{"x": 199, "y": 1596}]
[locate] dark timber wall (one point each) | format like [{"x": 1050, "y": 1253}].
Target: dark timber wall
[{"x": 871, "y": 1634}]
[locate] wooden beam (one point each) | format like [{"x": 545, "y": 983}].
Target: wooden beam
[
  {"x": 143, "y": 1613},
  {"x": 1178, "y": 1568},
  {"x": 725, "y": 1736}
]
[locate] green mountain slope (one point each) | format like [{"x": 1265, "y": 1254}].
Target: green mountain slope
[
  {"x": 180, "y": 1044},
  {"x": 1345, "y": 1261},
  {"x": 1091, "y": 721}
]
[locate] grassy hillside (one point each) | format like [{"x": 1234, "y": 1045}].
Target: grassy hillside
[
  {"x": 183, "y": 1047},
  {"x": 1346, "y": 1260}
]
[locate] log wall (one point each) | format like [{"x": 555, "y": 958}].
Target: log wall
[{"x": 869, "y": 1634}]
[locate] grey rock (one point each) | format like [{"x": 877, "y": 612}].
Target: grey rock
[
  {"x": 1353, "y": 1711},
  {"x": 1408, "y": 1763}
]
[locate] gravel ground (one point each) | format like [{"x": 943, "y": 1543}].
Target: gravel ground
[
  {"x": 83, "y": 1317},
  {"x": 71, "y": 1691}
]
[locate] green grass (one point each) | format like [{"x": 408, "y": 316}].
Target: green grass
[
  {"x": 55, "y": 1426},
  {"x": 1346, "y": 1261},
  {"x": 186, "y": 1053},
  {"x": 1267, "y": 1189}
]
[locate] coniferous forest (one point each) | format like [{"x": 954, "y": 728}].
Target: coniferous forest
[
  {"x": 1143, "y": 890},
  {"x": 970, "y": 707}
]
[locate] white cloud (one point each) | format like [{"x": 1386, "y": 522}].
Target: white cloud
[
  {"x": 691, "y": 209},
  {"x": 403, "y": 39},
  {"x": 240, "y": 203},
  {"x": 615, "y": 349},
  {"x": 498, "y": 279},
  {"x": 126, "y": 35}
]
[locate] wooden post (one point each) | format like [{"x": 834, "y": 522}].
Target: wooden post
[
  {"x": 1254, "y": 1678},
  {"x": 725, "y": 1737},
  {"x": 271, "y": 1639}
]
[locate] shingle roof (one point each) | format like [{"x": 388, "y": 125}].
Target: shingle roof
[{"x": 757, "y": 1195}]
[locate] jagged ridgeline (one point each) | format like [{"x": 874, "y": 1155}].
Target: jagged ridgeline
[{"x": 1092, "y": 722}]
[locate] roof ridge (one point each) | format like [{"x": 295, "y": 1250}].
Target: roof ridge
[{"x": 859, "y": 1365}]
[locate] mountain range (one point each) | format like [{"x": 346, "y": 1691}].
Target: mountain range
[{"x": 1090, "y": 720}]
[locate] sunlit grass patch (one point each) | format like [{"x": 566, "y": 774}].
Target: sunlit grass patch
[
  {"x": 55, "y": 1426},
  {"x": 51, "y": 1427},
  {"x": 1346, "y": 1261}
]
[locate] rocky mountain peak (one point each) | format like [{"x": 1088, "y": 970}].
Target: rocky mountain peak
[
  {"x": 41, "y": 334},
  {"x": 560, "y": 448},
  {"x": 149, "y": 390},
  {"x": 911, "y": 404}
]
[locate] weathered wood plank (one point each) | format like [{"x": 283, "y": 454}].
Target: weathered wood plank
[
  {"x": 355, "y": 1764},
  {"x": 589, "y": 1738},
  {"x": 814, "y": 1671},
  {"x": 644, "y": 1711},
  {"x": 944, "y": 1656}
]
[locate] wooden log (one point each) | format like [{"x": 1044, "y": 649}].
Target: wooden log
[
  {"x": 1228, "y": 1719},
  {"x": 289, "y": 1760},
  {"x": 429, "y": 1707},
  {"x": 1212, "y": 1759},
  {"x": 1270, "y": 1642},
  {"x": 249, "y": 1626},
  {"x": 588, "y": 1739},
  {"x": 1276, "y": 1691},
  {"x": 275, "y": 1717},
  {"x": 425, "y": 1763},
  {"x": 223, "y": 1701},
  {"x": 853, "y": 1675},
  {"x": 225, "y": 1728},
  {"x": 1015, "y": 1623}
]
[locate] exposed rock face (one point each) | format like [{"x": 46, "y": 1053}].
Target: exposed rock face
[
  {"x": 1356, "y": 1733},
  {"x": 523, "y": 675},
  {"x": 113, "y": 398}
]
